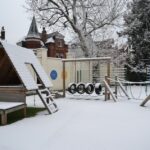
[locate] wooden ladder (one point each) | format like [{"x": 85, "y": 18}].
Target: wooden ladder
[{"x": 47, "y": 100}]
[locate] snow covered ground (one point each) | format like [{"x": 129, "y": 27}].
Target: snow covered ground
[{"x": 82, "y": 125}]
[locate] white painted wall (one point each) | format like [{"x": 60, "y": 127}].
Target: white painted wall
[{"x": 75, "y": 71}]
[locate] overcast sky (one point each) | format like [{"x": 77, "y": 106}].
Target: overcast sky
[{"x": 15, "y": 19}]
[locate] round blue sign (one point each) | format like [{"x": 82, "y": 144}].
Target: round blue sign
[{"x": 53, "y": 74}]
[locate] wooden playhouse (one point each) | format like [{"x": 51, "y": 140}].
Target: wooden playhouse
[{"x": 21, "y": 73}]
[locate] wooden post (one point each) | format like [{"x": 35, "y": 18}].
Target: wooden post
[
  {"x": 108, "y": 75},
  {"x": 106, "y": 91},
  {"x": 4, "y": 118},
  {"x": 110, "y": 91},
  {"x": 145, "y": 101},
  {"x": 116, "y": 90},
  {"x": 25, "y": 111},
  {"x": 146, "y": 78},
  {"x": 64, "y": 82}
]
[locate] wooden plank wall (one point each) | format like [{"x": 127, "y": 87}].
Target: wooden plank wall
[
  {"x": 12, "y": 94},
  {"x": 8, "y": 76}
]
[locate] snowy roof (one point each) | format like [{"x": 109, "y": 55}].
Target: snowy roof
[
  {"x": 49, "y": 40},
  {"x": 33, "y": 30},
  {"x": 55, "y": 34},
  {"x": 19, "y": 57}
]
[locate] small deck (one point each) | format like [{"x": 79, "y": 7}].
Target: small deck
[
  {"x": 8, "y": 107},
  {"x": 12, "y": 98}
]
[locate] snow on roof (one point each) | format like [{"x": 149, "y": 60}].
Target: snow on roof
[
  {"x": 20, "y": 57},
  {"x": 33, "y": 36},
  {"x": 49, "y": 40},
  {"x": 56, "y": 34},
  {"x": 22, "y": 39}
]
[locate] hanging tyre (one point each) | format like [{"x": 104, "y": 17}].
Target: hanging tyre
[
  {"x": 81, "y": 88},
  {"x": 72, "y": 88},
  {"x": 98, "y": 88},
  {"x": 89, "y": 88}
]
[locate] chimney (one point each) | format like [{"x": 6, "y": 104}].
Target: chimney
[
  {"x": 44, "y": 35},
  {"x": 3, "y": 33}
]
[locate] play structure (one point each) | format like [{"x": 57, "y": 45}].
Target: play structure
[
  {"x": 87, "y": 88},
  {"x": 121, "y": 88},
  {"x": 87, "y": 74},
  {"x": 21, "y": 73},
  {"x": 148, "y": 79}
]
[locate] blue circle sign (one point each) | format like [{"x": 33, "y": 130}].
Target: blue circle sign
[{"x": 53, "y": 74}]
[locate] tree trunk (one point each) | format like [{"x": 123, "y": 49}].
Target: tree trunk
[{"x": 87, "y": 45}]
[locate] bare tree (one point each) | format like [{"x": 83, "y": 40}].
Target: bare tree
[{"x": 84, "y": 17}]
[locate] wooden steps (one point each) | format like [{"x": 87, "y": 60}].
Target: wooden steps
[{"x": 47, "y": 100}]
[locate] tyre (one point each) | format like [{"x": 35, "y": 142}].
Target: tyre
[
  {"x": 81, "y": 88},
  {"x": 98, "y": 88},
  {"x": 72, "y": 88},
  {"x": 89, "y": 88}
]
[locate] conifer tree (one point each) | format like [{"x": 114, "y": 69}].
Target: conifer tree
[{"x": 137, "y": 23}]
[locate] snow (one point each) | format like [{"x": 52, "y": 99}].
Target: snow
[
  {"x": 34, "y": 35},
  {"x": 86, "y": 59},
  {"x": 50, "y": 40},
  {"x": 7, "y": 105},
  {"x": 22, "y": 56},
  {"x": 82, "y": 123}
]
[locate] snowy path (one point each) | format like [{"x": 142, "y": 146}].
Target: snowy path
[{"x": 82, "y": 125}]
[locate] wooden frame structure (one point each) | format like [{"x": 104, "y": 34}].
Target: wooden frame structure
[
  {"x": 11, "y": 108},
  {"x": 145, "y": 100},
  {"x": 108, "y": 90},
  {"x": 64, "y": 61},
  {"x": 16, "y": 79}
]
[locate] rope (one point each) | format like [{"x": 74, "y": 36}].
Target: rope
[
  {"x": 140, "y": 93},
  {"x": 120, "y": 92},
  {"x": 130, "y": 83}
]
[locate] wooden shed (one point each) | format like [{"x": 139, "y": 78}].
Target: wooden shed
[{"x": 21, "y": 73}]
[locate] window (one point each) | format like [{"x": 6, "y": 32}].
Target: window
[
  {"x": 60, "y": 43},
  {"x": 59, "y": 55}
]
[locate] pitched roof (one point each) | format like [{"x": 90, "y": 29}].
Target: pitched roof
[
  {"x": 19, "y": 58},
  {"x": 50, "y": 40},
  {"x": 33, "y": 30},
  {"x": 56, "y": 34},
  {"x": 51, "y": 36}
]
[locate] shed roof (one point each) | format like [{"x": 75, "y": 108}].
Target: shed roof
[{"x": 19, "y": 57}]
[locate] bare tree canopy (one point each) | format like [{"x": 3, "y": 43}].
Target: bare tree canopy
[{"x": 84, "y": 17}]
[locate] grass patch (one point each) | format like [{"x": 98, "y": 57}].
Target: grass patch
[{"x": 18, "y": 115}]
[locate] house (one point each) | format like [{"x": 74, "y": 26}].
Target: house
[
  {"x": 54, "y": 42},
  {"x": 56, "y": 45}
]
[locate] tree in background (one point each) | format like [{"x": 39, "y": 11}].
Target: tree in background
[
  {"x": 84, "y": 17},
  {"x": 137, "y": 23}
]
